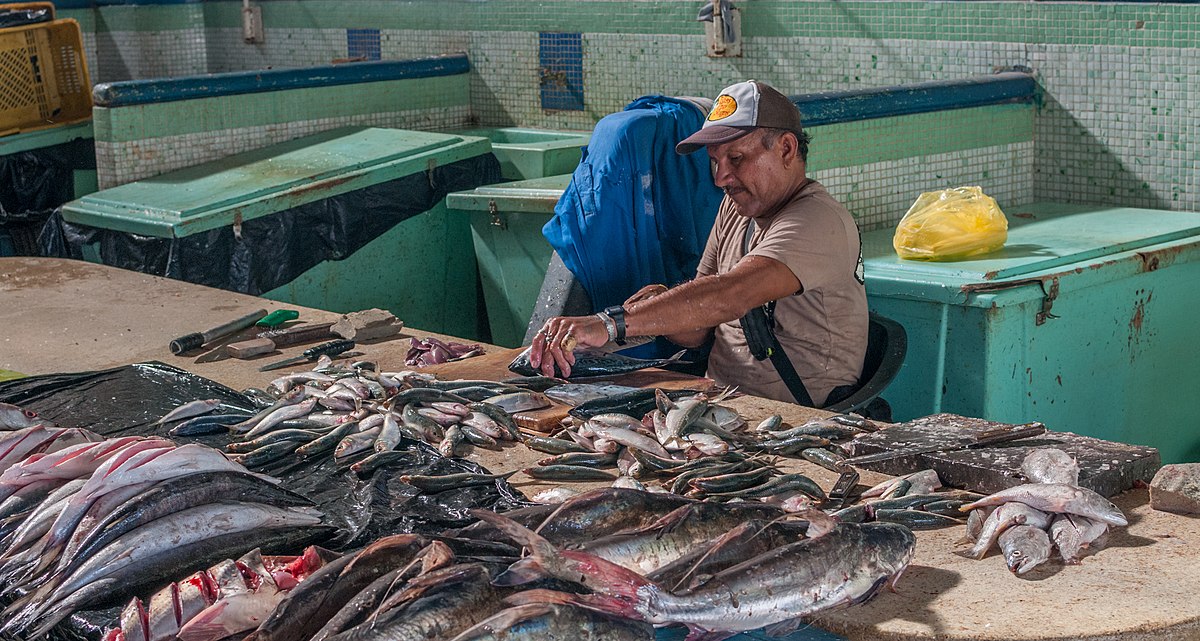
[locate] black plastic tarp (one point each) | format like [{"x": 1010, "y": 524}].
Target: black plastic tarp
[
  {"x": 273, "y": 250},
  {"x": 34, "y": 183},
  {"x": 22, "y": 17},
  {"x": 128, "y": 400}
]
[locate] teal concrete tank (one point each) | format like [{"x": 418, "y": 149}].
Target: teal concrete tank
[
  {"x": 506, "y": 230},
  {"x": 422, "y": 268},
  {"x": 1084, "y": 321}
]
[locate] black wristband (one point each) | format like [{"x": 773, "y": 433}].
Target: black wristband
[{"x": 617, "y": 313}]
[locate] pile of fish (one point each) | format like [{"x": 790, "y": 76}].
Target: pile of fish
[
  {"x": 911, "y": 500},
  {"x": 352, "y": 411},
  {"x": 92, "y": 521},
  {"x": 607, "y": 565},
  {"x": 230, "y": 597},
  {"x": 1029, "y": 521}
]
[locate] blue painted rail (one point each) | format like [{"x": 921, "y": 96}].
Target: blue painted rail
[
  {"x": 824, "y": 108},
  {"x": 156, "y": 90}
]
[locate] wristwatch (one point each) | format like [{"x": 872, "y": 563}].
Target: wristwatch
[{"x": 617, "y": 313}]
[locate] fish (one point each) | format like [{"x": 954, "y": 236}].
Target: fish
[
  {"x": 189, "y": 410},
  {"x": 576, "y": 393},
  {"x": 16, "y": 418},
  {"x": 555, "y": 622},
  {"x": 1004, "y": 517},
  {"x": 741, "y": 543},
  {"x": 606, "y": 510},
  {"x": 208, "y": 424},
  {"x": 554, "y": 496},
  {"x": 674, "y": 535},
  {"x": 593, "y": 364},
  {"x": 568, "y": 473},
  {"x": 1025, "y": 547},
  {"x": 1050, "y": 465},
  {"x": 634, "y": 403},
  {"x": 846, "y": 565},
  {"x": 145, "y": 555},
  {"x": 315, "y": 601},
  {"x": 452, "y": 481},
  {"x": 522, "y": 401},
  {"x": 1072, "y": 533},
  {"x": 1057, "y": 498},
  {"x": 444, "y": 610}
]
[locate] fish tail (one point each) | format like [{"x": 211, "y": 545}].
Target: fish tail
[{"x": 620, "y": 584}]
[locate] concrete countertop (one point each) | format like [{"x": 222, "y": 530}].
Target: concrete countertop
[{"x": 63, "y": 316}]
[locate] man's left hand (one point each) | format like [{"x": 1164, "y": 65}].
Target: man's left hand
[{"x": 555, "y": 342}]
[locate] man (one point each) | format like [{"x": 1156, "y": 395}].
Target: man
[{"x": 803, "y": 256}]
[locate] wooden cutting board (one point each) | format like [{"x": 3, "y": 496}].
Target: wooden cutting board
[
  {"x": 1104, "y": 466},
  {"x": 494, "y": 366}
]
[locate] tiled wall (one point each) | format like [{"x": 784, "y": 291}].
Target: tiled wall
[
  {"x": 139, "y": 141},
  {"x": 1115, "y": 126}
]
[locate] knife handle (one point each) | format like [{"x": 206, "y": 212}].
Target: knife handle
[{"x": 328, "y": 349}]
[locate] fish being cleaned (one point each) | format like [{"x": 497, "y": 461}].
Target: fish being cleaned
[
  {"x": 590, "y": 364},
  {"x": 846, "y": 565}
]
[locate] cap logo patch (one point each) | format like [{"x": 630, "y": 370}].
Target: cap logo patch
[{"x": 724, "y": 107}]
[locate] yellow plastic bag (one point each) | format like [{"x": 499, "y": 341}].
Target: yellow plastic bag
[{"x": 951, "y": 224}]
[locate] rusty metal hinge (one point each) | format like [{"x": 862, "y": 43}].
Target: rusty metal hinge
[
  {"x": 1048, "y": 295},
  {"x": 497, "y": 220}
]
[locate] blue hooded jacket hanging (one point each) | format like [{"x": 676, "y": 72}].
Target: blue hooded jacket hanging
[{"x": 635, "y": 212}]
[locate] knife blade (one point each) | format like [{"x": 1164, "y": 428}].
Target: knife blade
[
  {"x": 983, "y": 439},
  {"x": 311, "y": 354}
]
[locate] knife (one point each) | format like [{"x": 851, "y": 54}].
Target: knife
[
  {"x": 311, "y": 354},
  {"x": 983, "y": 439},
  {"x": 217, "y": 351}
]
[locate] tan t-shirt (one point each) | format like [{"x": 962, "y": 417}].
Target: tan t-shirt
[{"x": 823, "y": 328}]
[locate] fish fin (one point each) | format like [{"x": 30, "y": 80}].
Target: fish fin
[
  {"x": 597, "y": 602},
  {"x": 700, "y": 634},
  {"x": 784, "y": 628},
  {"x": 541, "y": 596},
  {"x": 538, "y": 545},
  {"x": 523, "y": 571}
]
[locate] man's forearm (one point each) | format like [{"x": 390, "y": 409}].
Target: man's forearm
[{"x": 687, "y": 313}]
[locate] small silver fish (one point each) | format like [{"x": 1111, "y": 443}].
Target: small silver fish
[
  {"x": 1025, "y": 547},
  {"x": 188, "y": 410}
]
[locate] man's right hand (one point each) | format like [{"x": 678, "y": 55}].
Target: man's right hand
[{"x": 554, "y": 344}]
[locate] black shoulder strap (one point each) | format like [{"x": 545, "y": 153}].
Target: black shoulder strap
[{"x": 759, "y": 326}]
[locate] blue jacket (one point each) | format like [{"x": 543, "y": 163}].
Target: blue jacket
[{"x": 636, "y": 212}]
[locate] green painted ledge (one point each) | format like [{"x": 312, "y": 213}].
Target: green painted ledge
[{"x": 155, "y": 120}]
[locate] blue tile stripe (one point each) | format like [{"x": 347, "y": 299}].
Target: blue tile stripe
[
  {"x": 561, "y": 68},
  {"x": 136, "y": 92},
  {"x": 830, "y": 107}
]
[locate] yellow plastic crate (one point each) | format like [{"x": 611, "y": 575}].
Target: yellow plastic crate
[
  {"x": 17, "y": 6},
  {"x": 43, "y": 77}
]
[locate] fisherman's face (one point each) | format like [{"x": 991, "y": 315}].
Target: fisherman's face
[{"x": 757, "y": 179}]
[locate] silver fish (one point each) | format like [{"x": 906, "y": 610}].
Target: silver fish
[
  {"x": 589, "y": 364},
  {"x": 1057, "y": 497},
  {"x": 15, "y": 418},
  {"x": 1024, "y": 548},
  {"x": 555, "y": 622},
  {"x": 847, "y": 565},
  {"x": 1006, "y": 516},
  {"x": 188, "y": 410},
  {"x": 1050, "y": 465}
]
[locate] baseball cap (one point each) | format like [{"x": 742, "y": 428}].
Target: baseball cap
[{"x": 740, "y": 109}]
